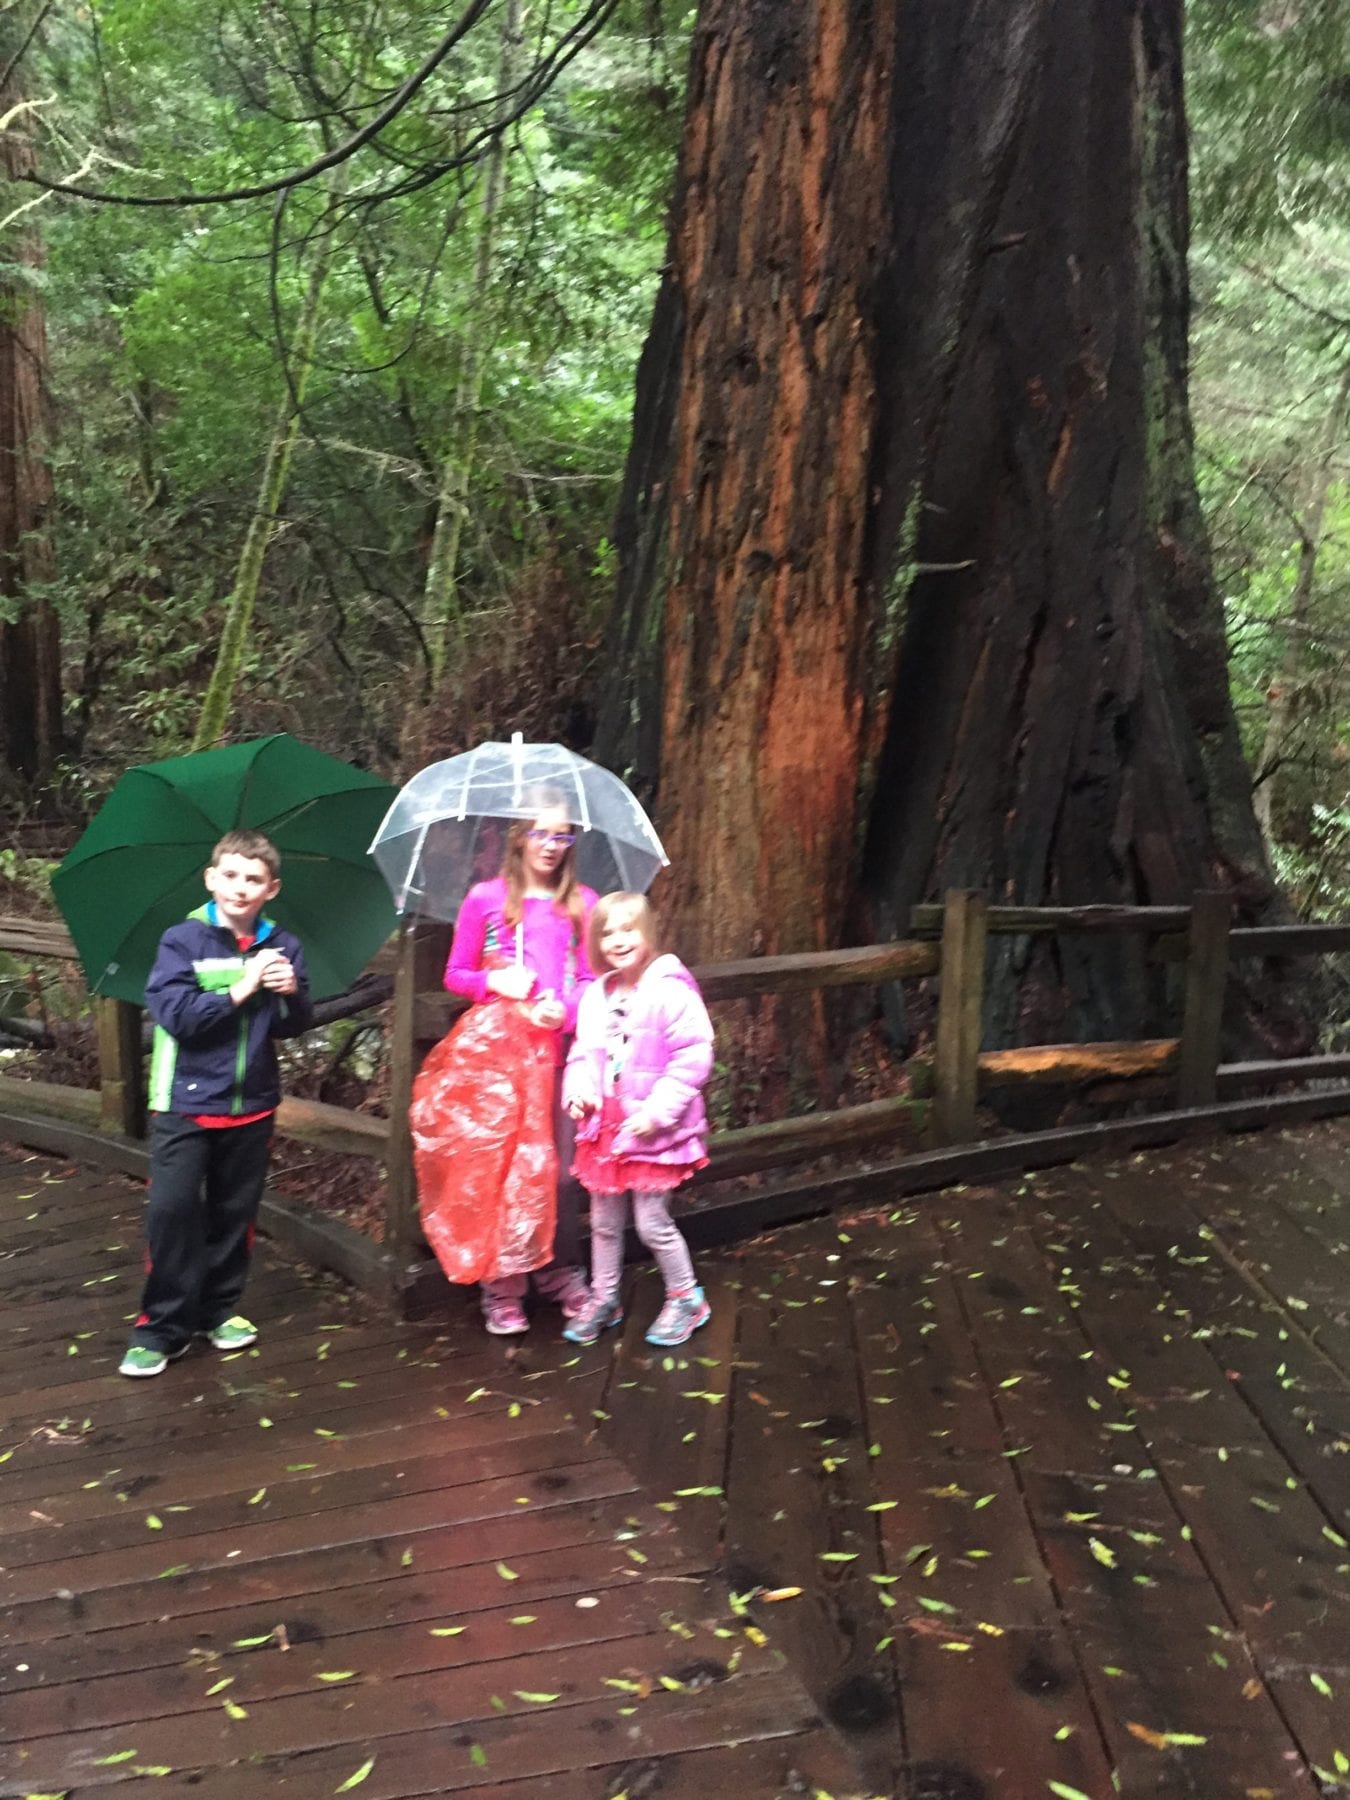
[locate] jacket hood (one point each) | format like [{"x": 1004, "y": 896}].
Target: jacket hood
[
  {"x": 666, "y": 967},
  {"x": 263, "y": 927}
]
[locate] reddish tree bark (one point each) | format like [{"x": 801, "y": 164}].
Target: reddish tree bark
[
  {"x": 778, "y": 247},
  {"x": 30, "y": 641},
  {"x": 936, "y": 603}
]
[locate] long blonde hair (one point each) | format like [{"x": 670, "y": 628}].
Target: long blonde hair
[{"x": 567, "y": 894}]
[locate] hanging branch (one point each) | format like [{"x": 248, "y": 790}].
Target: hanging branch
[
  {"x": 330, "y": 159},
  {"x": 542, "y": 76}
]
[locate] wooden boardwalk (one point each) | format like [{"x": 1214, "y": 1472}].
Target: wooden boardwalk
[
  {"x": 363, "y": 1554},
  {"x": 1035, "y": 1489}
]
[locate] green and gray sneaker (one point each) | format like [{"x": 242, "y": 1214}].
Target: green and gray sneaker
[
  {"x": 141, "y": 1359},
  {"x": 234, "y": 1334}
]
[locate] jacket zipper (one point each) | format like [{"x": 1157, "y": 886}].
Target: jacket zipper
[
  {"x": 240, "y": 1062},
  {"x": 241, "y": 1053}
]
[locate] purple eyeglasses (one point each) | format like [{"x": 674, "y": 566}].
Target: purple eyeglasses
[{"x": 563, "y": 839}]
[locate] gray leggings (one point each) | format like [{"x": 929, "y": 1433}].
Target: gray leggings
[{"x": 656, "y": 1228}]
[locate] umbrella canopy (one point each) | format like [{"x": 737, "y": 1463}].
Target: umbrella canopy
[
  {"x": 138, "y": 868},
  {"x": 446, "y": 829}
]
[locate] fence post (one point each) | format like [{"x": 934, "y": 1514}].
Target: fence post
[
  {"x": 121, "y": 1071},
  {"x": 400, "y": 1196},
  {"x": 956, "y": 1058},
  {"x": 1206, "y": 980}
]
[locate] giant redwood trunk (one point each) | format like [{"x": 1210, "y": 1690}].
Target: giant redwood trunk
[
  {"x": 922, "y": 538},
  {"x": 30, "y": 642},
  {"x": 779, "y": 243}
]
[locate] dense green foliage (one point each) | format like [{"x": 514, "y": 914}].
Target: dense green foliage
[
  {"x": 173, "y": 342},
  {"x": 1270, "y": 110},
  {"x": 173, "y": 351}
]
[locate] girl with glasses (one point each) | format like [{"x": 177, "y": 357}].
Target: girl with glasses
[{"x": 520, "y": 939}]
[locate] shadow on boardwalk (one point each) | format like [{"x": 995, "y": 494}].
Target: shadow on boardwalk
[{"x": 1018, "y": 1491}]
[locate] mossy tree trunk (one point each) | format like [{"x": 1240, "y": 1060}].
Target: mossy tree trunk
[
  {"x": 262, "y": 527},
  {"x": 441, "y": 605},
  {"x": 922, "y": 350},
  {"x": 1289, "y": 695},
  {"x": 30, "y": 634}
]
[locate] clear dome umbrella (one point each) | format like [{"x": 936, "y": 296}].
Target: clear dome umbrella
[{"x": 447, "y": 827}]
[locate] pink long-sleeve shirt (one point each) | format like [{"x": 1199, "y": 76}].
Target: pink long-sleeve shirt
[{"x": 551, "y": 947}]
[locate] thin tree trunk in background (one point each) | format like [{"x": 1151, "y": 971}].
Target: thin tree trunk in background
[
  {"x": 234, "y": 637},
  {"x": 1181, "y": 570},
  {"x": 628, "y": 714},
  {"x": 30, "y": 635},
  {"x": 441, "y": 607},
  {"x": 1286, "y": 687},
  {"x": 1281, "y": 1002},
  {"x": 922, "y": 626}
]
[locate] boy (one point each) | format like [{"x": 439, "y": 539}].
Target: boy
[{"x": 225, "y": 983}]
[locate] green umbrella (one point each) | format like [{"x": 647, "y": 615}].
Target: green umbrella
[{"x": 138, "y": 868}]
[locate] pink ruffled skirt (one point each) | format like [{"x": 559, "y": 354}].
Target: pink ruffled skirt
[{"x": 601, "y": 1172}]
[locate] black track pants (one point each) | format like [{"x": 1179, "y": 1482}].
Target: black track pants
[{"x": 205, "y": 1187}]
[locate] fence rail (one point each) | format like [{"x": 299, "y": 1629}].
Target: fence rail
[{"x": 949, "y": 941}]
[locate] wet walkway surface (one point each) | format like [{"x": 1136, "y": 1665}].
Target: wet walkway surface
[{"x": 1027, "y": 1490}]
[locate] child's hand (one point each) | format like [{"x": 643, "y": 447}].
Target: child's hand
[
  {"x": 278, "y": 977},
  {"x": 255, "y": 968},
  {"x": 511, "y": 983},
  {"x": 639, "y": 1127},
  {"x": 580, "y": 1109},
  {"x": 549, "y": 1014}
]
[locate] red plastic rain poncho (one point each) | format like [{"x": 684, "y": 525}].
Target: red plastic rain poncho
[{"x": 482, "y": 1131}]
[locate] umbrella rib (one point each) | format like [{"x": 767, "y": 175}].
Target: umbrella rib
[
  {"x": 580, "y": 786},
  {"x": 413, "y": 861},
  {"x": 468, "y": 782},
  {"x": 212, "y": 826},
  {"x": 247, "y": 783},
  {"x": 279, "y": 821},
  {"x": 379, "y": 829},
  {"x": 87, "y": 862},
  {"x": 359, "y": 864}
]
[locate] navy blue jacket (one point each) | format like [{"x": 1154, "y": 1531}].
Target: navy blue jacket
[{"x": 211, "y": 1056}]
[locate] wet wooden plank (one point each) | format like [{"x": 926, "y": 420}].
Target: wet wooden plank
[
  {"x": 961, "y": 1551},
  {"x": 190, "y": 1594},
  {"x": 1041, "y": 1730},
  {"x": 353, "y": 1712},
  {"x": 798, "y": 1490},
  {"x": 483, "y": 1754},
  {"x": 666, "y": 1413},
  {"x": 586, "y": 1570},
  {"x": 546, "y": 1631},
  {"x": 924, "y": 1396},
  {"x": 68, "y": 1540},
  {"x": 807, "y": 1762}
]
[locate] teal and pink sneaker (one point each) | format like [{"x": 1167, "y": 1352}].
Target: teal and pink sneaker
[
  {"x": 598, "y": 1316},
  {"x": 679, "y": 1319}
]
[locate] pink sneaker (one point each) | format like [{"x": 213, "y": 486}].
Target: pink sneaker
[
  {"x": 505, "y": 1318},
  {"x": 567, "y": 1288}
]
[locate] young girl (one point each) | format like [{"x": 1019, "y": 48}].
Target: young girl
[
  {"x": 643, "y": 1051},
  {"x": 522, "y": 938}
]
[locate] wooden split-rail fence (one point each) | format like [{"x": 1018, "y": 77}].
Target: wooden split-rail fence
[{"x": 1182, "y": 1078}]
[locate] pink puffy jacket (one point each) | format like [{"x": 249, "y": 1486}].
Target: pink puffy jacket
[{"x": 670, "y": 1054}]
